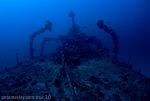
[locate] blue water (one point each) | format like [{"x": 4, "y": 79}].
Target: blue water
[{"x": 130, "y": 18}]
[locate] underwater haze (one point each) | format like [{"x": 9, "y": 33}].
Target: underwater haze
[
  {"x": 130, "y": 19},
  {"x": 75, "y": 50}
]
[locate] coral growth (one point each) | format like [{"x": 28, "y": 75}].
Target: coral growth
[{"x": 94, "y": 80}]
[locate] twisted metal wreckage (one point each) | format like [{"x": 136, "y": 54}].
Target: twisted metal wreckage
[{"x": 65, "y": 56}]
